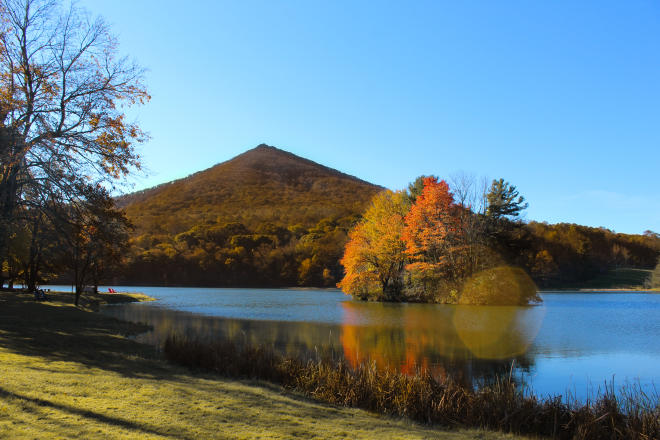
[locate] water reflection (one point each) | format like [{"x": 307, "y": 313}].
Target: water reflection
[
  {"x": 500, "y": 332},
  {"x": 455, "y": 341}
]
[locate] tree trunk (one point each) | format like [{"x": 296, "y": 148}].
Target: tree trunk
[
  {"x": 32, "y": 269},
  {"x": 8, "y": 201}
]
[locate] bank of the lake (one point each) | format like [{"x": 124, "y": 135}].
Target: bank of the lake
[
  {"x": 571, "y": 344},
  {"x": 72, "y": 373}
]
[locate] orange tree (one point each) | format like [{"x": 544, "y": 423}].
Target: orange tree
[
  {"x": 374, "y": 257},
  {"x": 434, "y": 241}
]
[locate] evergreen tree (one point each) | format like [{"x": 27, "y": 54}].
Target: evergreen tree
[{"x": 504, "y": 200}]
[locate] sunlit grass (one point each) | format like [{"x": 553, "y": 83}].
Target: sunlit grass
[{"x": 71, "y": 373}]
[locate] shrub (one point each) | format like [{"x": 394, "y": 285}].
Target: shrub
[{"x": 502, "y": 285}]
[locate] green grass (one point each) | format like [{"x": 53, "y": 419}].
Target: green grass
[
  {"x": 627, "y": 278},
  {"x": 622, "y": 278},
  {"x": 66, "y": 372}
]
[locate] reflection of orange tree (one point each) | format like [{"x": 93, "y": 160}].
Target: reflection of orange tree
[
  {"x": 444, "y": 341},
  {"x": 413, "y": 338}
]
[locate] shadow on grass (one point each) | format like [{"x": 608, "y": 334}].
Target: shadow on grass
[
  {"x": 62, "y": 332},
  {"x": 127, "y": 424}
]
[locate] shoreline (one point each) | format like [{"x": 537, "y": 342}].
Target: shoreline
[
  {"x": 88, "y": 301},
  {"x": 596, "y": 290},
  {"x": 73, "y": 373}
]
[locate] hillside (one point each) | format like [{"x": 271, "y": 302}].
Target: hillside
[
  {"x": 262, "y": 185},
  {"x": 264, "y": 218}
]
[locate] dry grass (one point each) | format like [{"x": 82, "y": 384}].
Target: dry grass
[
  {"x": 420, "y": 397},
  {"x": 70, "y": 373}
]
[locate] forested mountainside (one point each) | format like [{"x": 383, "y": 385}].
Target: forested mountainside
[
  {"x": 270, "y": 218},
  {"x": 265, "y": 217}
]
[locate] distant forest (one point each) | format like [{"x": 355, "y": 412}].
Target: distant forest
[
  {"x": 233, "y": 255},
  {"x": 217, "y": 253}
]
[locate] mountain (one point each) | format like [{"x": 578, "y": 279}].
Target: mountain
[
  {"x": 262, "y": 185},
  {"x": 264, "y": 218}
]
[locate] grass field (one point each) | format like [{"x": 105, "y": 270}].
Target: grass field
[
  {"x": 630, "y": 278},
  {"x": 71, "y": 373},
  {"x": 624, "y": 278}
]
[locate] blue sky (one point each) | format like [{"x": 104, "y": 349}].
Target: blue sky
[{"x": 560, "y": 98}]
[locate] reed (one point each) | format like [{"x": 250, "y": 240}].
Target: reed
[{"x": 500, "y": 406}]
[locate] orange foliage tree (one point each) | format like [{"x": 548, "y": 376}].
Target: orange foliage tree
[
  {"x": 374, "y": 258},
  {"x": 434, "y": 238}
]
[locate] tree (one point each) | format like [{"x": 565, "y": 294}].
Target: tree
[
  {"x": 504, "y": 200},
  {"x": 95, "y": 235},
  {"x": 434, "y": 238},
  {"x": 374, "y": 258},
  {"x": 470, "y": 195},
  {"x": 415, "y": 188},
  {"x": 651, "y": 234},
  {"x": 63, "y": 91}
]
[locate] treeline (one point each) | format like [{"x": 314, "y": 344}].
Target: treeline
[
  {"x": 567, "y": 254},
  {"x": 231, "y": 254},
  {"x": 51, "y": 244}
]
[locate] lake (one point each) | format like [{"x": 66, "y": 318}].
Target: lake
[{"x": 571, "y": 343}]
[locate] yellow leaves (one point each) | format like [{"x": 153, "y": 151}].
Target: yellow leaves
[
  {"x": 373, "y": 258},
  {"x": 94, "y": 120}
]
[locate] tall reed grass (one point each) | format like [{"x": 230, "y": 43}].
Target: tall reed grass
[{"x": 500, "y": 406}]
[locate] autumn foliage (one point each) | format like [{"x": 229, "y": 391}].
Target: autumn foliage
[
  {"x": 374, "y": 257},
  {"x": 403, "y": 252},
  {"x": 433, "y": 235}
]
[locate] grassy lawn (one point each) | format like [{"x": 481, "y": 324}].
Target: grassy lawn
[
  {"x": 621, "y": 278},
  {"x": 71, "y": 373},
  {"x": 624, "y": 278}
]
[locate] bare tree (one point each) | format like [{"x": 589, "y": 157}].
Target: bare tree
[
  {"x": 470, "y": 191},
  {"x": 63, "y": 91}
]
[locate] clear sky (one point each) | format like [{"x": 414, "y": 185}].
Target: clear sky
[{"x": 561, "y": 98}]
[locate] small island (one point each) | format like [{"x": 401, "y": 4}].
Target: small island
[{"x": 420, "y": 245}]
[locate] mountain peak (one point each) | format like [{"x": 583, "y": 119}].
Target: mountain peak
[
  {"x": 281, "y": 164},
  {"x": 263, "y": 184}
]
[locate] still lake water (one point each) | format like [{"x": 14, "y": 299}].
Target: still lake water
[{"x": 571, "y": 343}]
